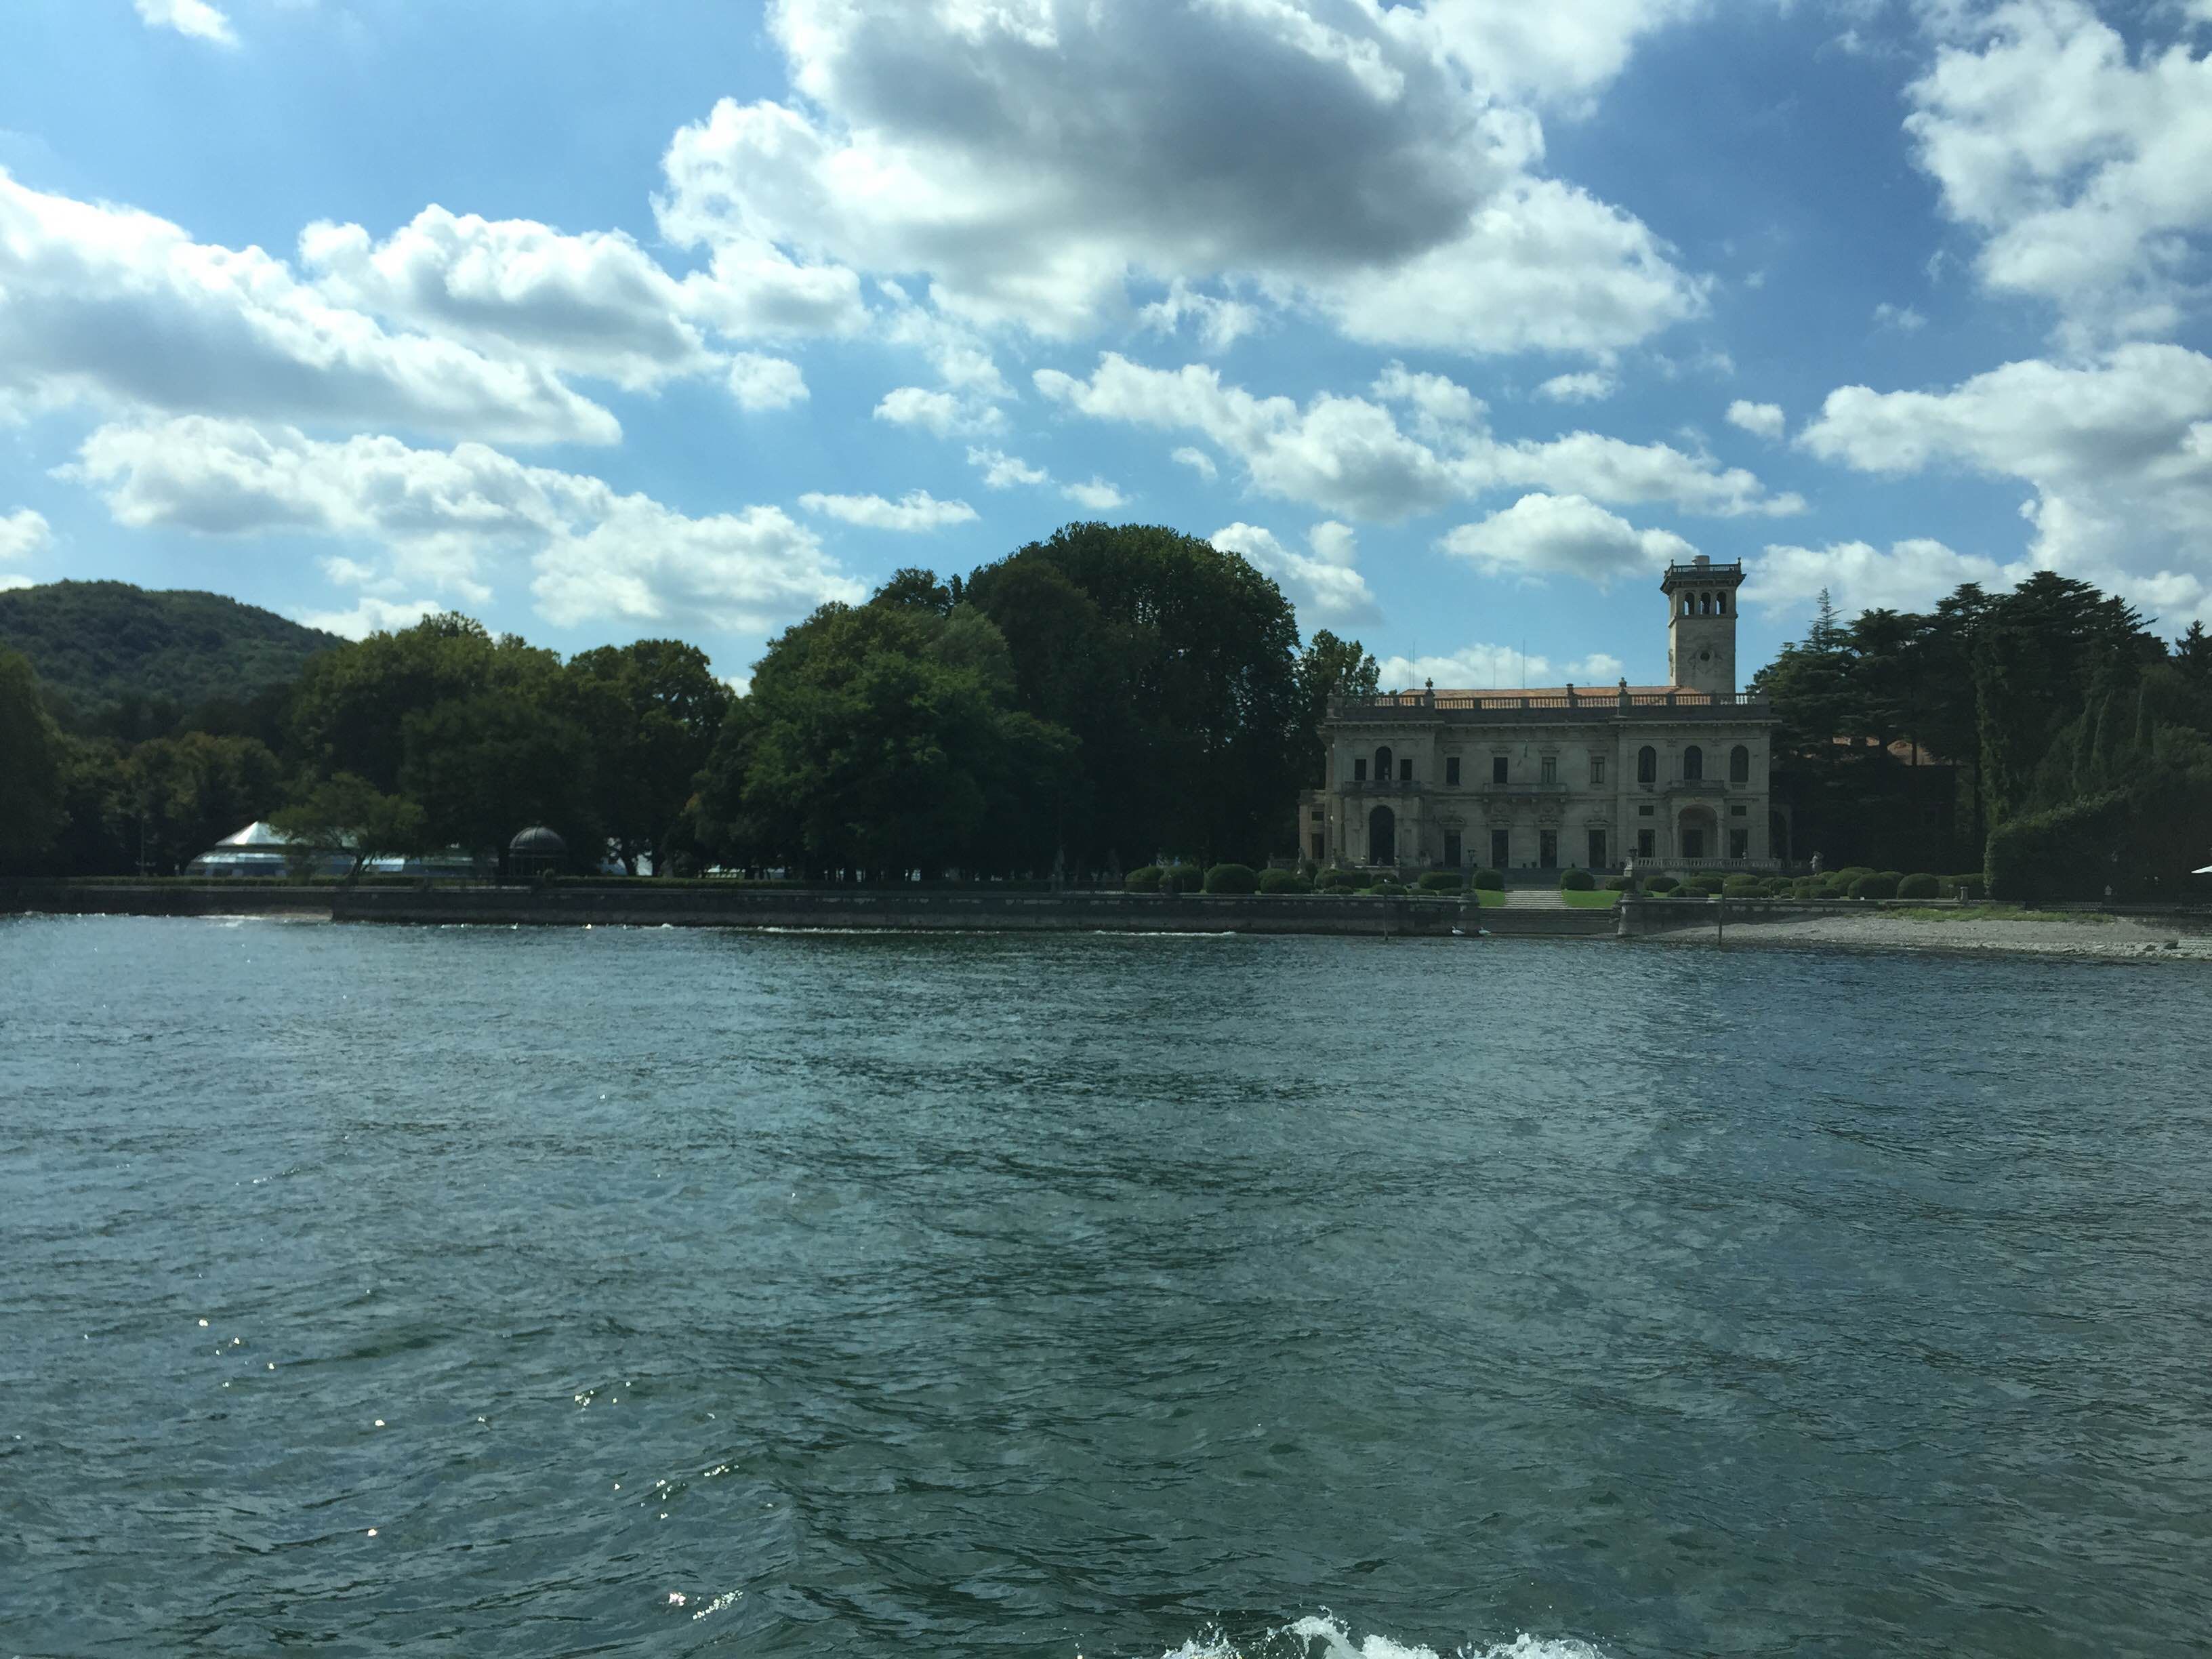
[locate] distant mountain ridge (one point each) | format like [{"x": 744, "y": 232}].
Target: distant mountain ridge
[{"x": 96, "y": 643}]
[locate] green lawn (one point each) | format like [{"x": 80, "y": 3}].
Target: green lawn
[{"x": 1595, "y": 901}]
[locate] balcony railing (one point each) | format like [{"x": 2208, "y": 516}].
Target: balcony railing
[{"x": 1591, "y": 704}]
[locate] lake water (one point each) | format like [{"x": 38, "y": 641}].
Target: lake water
[{"x": 481, "y": 1292}]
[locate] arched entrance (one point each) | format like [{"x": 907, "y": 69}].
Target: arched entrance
[
  {"x": 1698, "y": 834},
  {"x": 1381, "y": 836}
]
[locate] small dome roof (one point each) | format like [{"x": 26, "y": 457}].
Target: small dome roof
[{"x": 538, "y": 839}]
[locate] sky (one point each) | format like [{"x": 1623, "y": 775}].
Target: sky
[{"x": 1462, "y": 320}]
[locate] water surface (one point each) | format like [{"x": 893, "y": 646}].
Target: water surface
[{"x": 483, "y": 1292}]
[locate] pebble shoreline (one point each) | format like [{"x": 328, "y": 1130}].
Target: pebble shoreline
[{"x": 2115, "y": 939}]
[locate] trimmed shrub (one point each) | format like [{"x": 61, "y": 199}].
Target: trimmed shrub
[
  {"x": 1144, "y": 880},
  {"x": 1660, "y": 886},
  {"x": 1874, "y": 887},
  {"x": 1921, "y": 885},
  {"x": 1490, "y": 881},
  {"x": 1707, "y": 881},
  {"x": 1340, "y": 887},
  {"x": 1742, "y": 886},
  {"x": 1442, "y": 881},
  {"x": 1182, "y": 878},
  {"x": 1577, "y": 881},
  {"x": 1975, "y": 885},
  {"x": 1618, "y": 884},
  {"x": 1389, "y": 887},
  {"x": 1232, "y": 878},
  {"x": 1333, "y": 876},
  {"x": 1284, "y": 881}
]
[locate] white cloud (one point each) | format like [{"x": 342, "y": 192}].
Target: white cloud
[
  {"x": 1197, "y": 461},
  {"x": 1904, "y": 318},
  {"x": 1376, "y": 165},
  {"x": 916, "y": 510},
  {"x": 1554, "y": 535},
  {"x": 1003, "y": 472},
  {"x": 1588, "y": 388},
  {"x": 938, "y": 412},
  {"x": 1219, "y": 323},
  {"x": 1349, "y": 456},
  {"x": 760, "y": 383},
  {"x": 1324, "y": 582},
  {"x": 1912, "y": 576},
  {"x": 370, "y": 614},
  {"x": 2117, "y": 450},
  {"x": 24, "y": 534},
  {"x": 1097, "y": 494},
  {"x": 2087, "y": 169},
  {"x": 11, "y": 582},
  {"x": 115, "y": 307},
  {"x": 194, "y": 17},
  {"x": 1760, "y": 419},
  {"x": 432, "y": 517},
  {"x": 1473, "y": 668}
]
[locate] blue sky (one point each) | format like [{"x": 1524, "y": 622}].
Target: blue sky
[{"x": 600, "y": 320}]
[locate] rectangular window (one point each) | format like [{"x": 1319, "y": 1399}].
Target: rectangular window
[
  {"x": 1646, "y": 843},
  {"x": 1693, "y": 843},
  {"x": 1739, "y": 843},
  {"x": 1451, "y": 781},
  {"x": 1451, "y": 849},
  {"x": 1405, "y": 769},
  {"x": 1551, "y": 769},
  {"x": 1597, "y": 849},
  {"x": 1359, "y": 771},
  {"x": 1547, "y": 848},
  {"x": 1320, "y": 849},
  {"x": 1498, "y": 769},
  {"x": 1739, "y": 813},
  {"x": 1501, "y": 849},
  {"x": 1597, "y": 768},
  {"x": 1644, "y": 812}
]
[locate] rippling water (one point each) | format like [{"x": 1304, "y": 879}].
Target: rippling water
[{"x": 652, "y": 1292}]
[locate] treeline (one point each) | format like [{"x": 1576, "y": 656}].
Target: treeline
[
  {"x": 1088, "y": 703},
  {"x": 2046, "y": 735}
]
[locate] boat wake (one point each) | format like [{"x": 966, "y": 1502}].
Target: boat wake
[{"x": 1324, "y": 1637}]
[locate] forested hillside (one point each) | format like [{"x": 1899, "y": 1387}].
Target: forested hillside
[{"x": 97, "y": 644}]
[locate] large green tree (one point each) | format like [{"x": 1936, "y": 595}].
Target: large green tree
[
  {"x": 33, "y": 772},
  {"x": 654, "y": 710}
]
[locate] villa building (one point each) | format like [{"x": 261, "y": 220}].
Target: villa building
[{"x": 1675, "y": 777}]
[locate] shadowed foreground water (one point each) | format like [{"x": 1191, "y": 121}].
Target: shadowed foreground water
[{"x": 485, "y": 1292}]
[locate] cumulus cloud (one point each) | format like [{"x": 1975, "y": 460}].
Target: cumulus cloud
[
  {"x": 1349, "y": 455},
  {"x": 1494, "y": 668},
  {"x": 1095, "y": 494},
  {"x": 1003, "y": 472},
  {"x": 114, "y": 307},
  {"x": 370, "y": 614},
  {"x": 1588, "y": 387},
  {"x": 1564, "y": 535},
  {"x": 938, "y": 412},
  {"x": 1377, "y": 167},
  {"x": 759, "y": 383},
  {"x": 1218, "y": 322},
  {"x": 194, "y": 17},
  {"x": 433, "y": 516},
  {"x": 2086, "y": 167},
  {"x": 1324, "y": 582},
  {"x": 916, "y": 510},
  {"x": 1197, "y": 461},
  {"x": 1912, "y": 576},
  {"x": 24, "y": 534},
  {"x": 1760, "y": 419},
  {"x": 2117, "y": 450}
]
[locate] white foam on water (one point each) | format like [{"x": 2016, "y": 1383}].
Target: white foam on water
[{"x": 1324, "y": 1637}]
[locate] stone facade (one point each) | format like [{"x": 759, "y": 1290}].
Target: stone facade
[{"x": 1676, "y": 776}]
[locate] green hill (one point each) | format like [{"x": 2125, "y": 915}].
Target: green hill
[{"x": 96, "y": 643}]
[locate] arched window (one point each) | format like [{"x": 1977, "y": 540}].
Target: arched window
[
  {"x": 1694, "y": 763},
  {"x": 1688, "y": 605},
  {"x": 1720, "y": 605},
  {"x": 1738, "y": 764},
  {"x": 1647, "y": 764},
  {"x": 1382, "y": 773},
  {"x": 1704, "y": 605},
  {"x": 1381, "y": 836}
]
